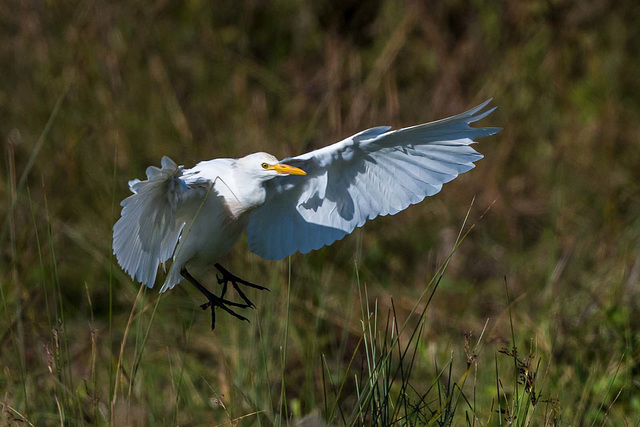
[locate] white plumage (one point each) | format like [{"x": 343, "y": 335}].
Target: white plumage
[{"x": 297, "y": 205}]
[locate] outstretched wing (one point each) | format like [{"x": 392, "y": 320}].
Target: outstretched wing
[
  {"x": 375, "y": 172},
  {"x": 150, "y": 224}
]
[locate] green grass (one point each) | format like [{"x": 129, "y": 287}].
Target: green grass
[{"x": 534, "y": 320}]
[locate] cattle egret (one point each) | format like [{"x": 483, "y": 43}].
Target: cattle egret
[{"x": 298, "y": 204}]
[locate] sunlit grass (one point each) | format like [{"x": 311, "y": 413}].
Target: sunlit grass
[{"x": 166, "y": 366}]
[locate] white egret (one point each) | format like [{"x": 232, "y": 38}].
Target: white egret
[{"x": 298, "y": 204}]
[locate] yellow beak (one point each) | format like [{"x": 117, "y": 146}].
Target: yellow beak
[{"x": 288, "y": 170}]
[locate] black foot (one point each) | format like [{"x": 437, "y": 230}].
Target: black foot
[
  {"x": 235, "y": 281},
  {"x": 214, "y": 301}
]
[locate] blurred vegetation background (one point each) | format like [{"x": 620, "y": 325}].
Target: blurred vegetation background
[{"x": 93, "y": 92}]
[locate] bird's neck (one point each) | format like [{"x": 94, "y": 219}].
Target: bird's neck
[{"x": 247, "y": 196}]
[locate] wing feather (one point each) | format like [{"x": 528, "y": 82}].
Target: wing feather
[
  {"x": 402, "y": 182},
  {"x": 414, "y": 182},
  {"x": 150, "y": 224},
  {"x": 375, "y": 172}
]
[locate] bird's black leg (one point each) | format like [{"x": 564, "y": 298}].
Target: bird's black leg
[
  {"x": 235, "y": 281},
  {"x": 214, "y": 301}
]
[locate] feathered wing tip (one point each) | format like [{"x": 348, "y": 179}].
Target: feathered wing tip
[
  {"x": 473, "y": 115},
  {"x": 147, "y": 232},
  {"x": 173, "y": 278},
  {"x": 476, "y": 114},
  {"x": 449, "y": 131}
]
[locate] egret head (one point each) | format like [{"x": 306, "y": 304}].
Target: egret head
[{"x": 265, "y": 166}]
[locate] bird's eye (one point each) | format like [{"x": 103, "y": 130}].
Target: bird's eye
[{"x": 265, "y": 166}]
